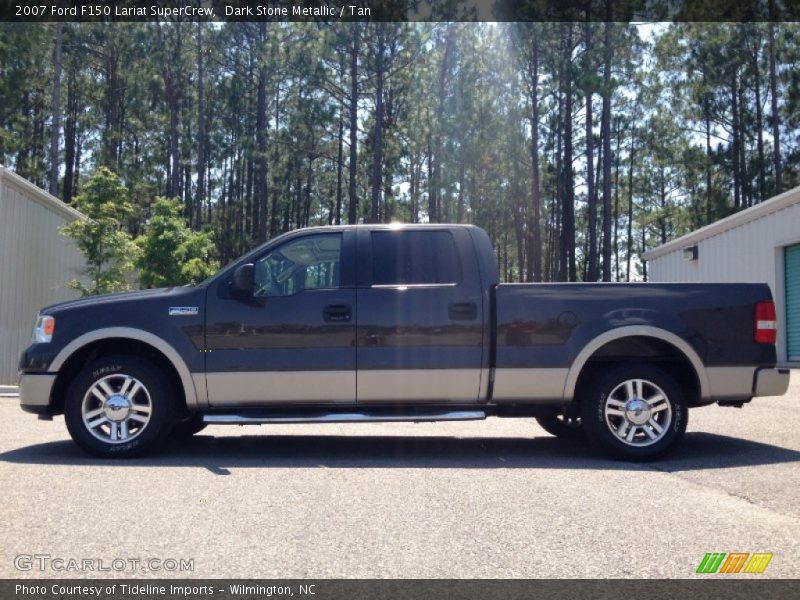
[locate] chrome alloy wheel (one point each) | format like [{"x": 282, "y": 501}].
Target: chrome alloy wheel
[
  {"x": 116, "y": 409},
  {"x": 638, "y": 412}
]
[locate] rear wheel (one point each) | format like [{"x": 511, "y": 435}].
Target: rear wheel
[
  {"x": 562, "y": 425},
  {"x": 119, "y": 406},
  {"x": 634, "y": 411}
]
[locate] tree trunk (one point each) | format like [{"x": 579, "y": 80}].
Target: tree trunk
[
  {"x": 746, "y": 191},
  {"x": 110, "y": 134},
  {"x": 592, "y": 270},
  {"x": 201, "y": 130},
  {"x": 734, "y": 154},
  {"x": 709, "y": 194},
  {"x": 56, "y": 111},
  {"x": 337, "y": 218},
  {"x": 568, "y": 267},
  {"x": 616, "y": 204},
  {"x": 377, "y": 154},
  {"x": 534, "y": 225},
  {"x": 436, "y": 211},
  {"x": 630, "y": 206},
  {"x": 260, "y": 175},
  {"x": 353, "y": 200},
  {"x": 273, "y": 217},
  {"x": 172, "y": 90},
  {"x": 70, "y": 135},
  {"x": 759, "y": 123},
  {"x": 776, "y": 131},
  {"x": 606, "y": 133}
]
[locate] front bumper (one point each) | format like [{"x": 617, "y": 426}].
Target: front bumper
[
  {"x": 34, "y": 392},
  {"x": 771, "y": 382}
]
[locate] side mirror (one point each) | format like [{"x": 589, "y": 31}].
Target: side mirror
[{"x": 242, "y": 283}]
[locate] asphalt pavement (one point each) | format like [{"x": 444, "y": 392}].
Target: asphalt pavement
[{"x": 489, "y": 499}]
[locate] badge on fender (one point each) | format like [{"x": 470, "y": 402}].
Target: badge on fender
[{"x": 182, "y": 311}]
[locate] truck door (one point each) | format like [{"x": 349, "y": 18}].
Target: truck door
[
  {"x": 294, "y": 340},
  {"x": 419, "y": 330}
]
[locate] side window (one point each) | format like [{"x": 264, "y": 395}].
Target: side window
[
  {"x": 306, "y": 263},
  {"x": 414, "y": 257}
]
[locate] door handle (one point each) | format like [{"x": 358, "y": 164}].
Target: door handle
[
  {"x": 337, "y": 313},
  {"x": 463, "y": 311}
]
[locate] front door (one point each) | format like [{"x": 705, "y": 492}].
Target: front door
[{"x": 294, "y": 340}]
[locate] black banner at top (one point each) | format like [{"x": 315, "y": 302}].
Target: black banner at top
[{"x": 400, "y": 10}]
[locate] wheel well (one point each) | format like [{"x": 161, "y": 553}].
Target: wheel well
[
  {"x": 646, "y": 349},
  {"x": 81, "y": 357}
]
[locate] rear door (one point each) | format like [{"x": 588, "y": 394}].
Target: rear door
[
  {"x": 294, "y": 341},
  {"x": 420, "y": 310}
]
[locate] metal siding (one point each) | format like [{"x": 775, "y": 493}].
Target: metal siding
[
  {"x": 792, "y": 270},
  {"x": 36, "y": 262},
  {"x": 747, "y": 254}
]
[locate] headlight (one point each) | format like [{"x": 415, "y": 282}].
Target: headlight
[{"x": 44, "y": 329}]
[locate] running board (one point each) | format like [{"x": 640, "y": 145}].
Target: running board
[{"x": 342, "y": 417}]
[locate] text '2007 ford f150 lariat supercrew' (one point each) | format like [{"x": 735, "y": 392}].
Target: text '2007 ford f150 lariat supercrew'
[{"x": 398, "y": 323}]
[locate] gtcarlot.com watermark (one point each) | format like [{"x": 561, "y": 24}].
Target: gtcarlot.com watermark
[{"x": 71, "y": 564}]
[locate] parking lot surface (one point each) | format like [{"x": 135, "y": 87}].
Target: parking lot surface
[{"x": 498, "y": 498}]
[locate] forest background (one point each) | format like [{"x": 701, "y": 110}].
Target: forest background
[{"x": 576, "y": 145}]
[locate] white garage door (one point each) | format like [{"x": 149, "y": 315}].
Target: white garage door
[{"x": 792, "y": 262}]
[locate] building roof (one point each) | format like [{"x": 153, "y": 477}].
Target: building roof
[
  {"x": 37, "y": 194},
  {"x": 774, "y": 204}
]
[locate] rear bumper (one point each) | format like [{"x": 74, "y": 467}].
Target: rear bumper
[
  {"x": 771, "y": 382},
  {"x": 34, "y": 392}
]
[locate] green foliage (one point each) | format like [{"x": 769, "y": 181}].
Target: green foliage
[
  {"x": 108, "y": 250},
  {"x": 171, "y": 254}
]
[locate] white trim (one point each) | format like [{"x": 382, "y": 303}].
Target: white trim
[
  {"x": 784, "y": 200},
  {"x": 38, "y": 195}
]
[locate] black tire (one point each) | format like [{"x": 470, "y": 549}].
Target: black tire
[
  {"x": 188, "y": 426},
  {"x": 561, "y": 425},
  {"x": 149, "y": 388},
  {"x": 615, "y": 402}
]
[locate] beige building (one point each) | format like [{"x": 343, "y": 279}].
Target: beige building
[
  {"x": 36, "y": 262},
  {"x": 760, "y": 244}
]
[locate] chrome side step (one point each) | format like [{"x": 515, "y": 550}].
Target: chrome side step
[{"x": 343, "y": 417}]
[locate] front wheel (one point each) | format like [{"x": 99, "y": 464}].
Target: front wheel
[
  {"x": 119, "y": 406},
  {"x": 634, "y": 411}
]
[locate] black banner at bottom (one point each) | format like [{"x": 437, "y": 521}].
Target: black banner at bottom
[{"x": 714, "y": 587}]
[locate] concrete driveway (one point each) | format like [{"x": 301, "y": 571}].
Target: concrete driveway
[{"x": 499, "y": 498}]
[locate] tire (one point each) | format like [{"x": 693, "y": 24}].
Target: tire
[
  {"x": 634, "y": 411},
  {"x": 188, "y": 427},
  {"x": 568, "y": 427},
  {"x": 119, "y": 407}
]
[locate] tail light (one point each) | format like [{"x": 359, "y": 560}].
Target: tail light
[{"x": 766, "y": 329}]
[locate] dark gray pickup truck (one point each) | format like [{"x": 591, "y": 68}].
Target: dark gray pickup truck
[{"x": 398, "y": 323}]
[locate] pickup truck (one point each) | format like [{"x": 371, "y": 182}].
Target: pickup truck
[{"x": 398, "y": 323}]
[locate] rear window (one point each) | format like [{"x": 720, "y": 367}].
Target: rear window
[{"x": 414, "y": 257}]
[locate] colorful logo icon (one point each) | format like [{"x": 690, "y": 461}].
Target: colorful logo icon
[{"x": 734, "y": 562}]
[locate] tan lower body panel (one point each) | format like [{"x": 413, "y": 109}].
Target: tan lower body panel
[
  {"x": 529, "y": 385},
  {"x": 420, "y": 385},
  {"x": 384, "y": 385},
  {"x": 730, "y": 382},
  {"x": 34, "y": 390},
  {"x": 273, "y": 387}
]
